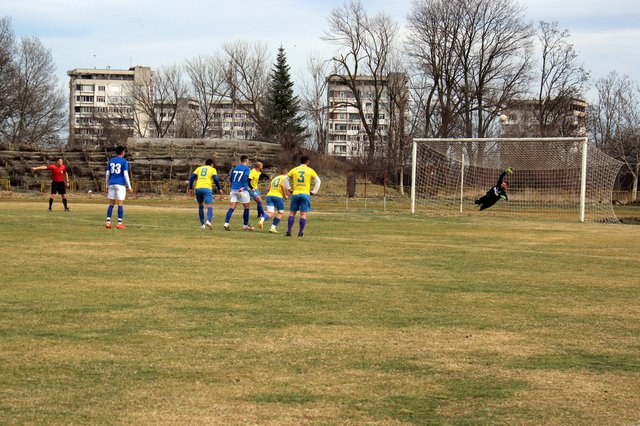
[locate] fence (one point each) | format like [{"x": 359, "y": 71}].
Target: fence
[{"x": 371, "y": 190}]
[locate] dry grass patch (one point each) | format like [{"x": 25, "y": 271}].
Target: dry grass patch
[{"x": 368, "y": 319}]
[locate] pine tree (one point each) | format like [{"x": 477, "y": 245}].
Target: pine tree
[{"x": 283, "y": 123}]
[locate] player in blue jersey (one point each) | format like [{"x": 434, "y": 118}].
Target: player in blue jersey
[
  {"x": 204, "y": 178},
  {"x": 117, "y": 180},
  {"x": 239, "y": 193}
]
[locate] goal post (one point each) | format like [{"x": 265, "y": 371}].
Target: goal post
[{"x": 557, "y": 178}]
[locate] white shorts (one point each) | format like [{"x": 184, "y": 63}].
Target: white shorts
[
  {"x": 117, "y": 192},
  {"x": 239, "y": 197},
  {"x": 272, "y": 209}
]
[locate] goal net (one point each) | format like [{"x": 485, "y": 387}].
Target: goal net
[{"x": 556, "y": 178}]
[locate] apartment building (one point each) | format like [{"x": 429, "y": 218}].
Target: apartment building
[
  {"x": 232, "y": 121},
  {"x": 99, "y": 99},
  {"x": 100, "y": 104},
  {"x": 346, "y": 136},
  {"x": 520, "y": 120}
]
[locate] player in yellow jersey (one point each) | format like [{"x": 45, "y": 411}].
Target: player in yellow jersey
[
  {"x": 275, "y": 200},
  {"x": 254, "y": 187},
  {"x": 204, "y": 178},
  {"x": 298, "y": 182}
]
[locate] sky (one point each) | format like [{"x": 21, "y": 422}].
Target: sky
[{"x": 124, "y": 33}]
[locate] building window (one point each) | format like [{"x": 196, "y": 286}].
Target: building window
[
  {"x": 101, "y": 88},
  {"x": 100, "y": 98}
]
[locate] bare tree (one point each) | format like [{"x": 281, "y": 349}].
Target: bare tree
[
  {"x": 397, "y": 136},
  {"x": 159, "y": 100},
  {"x": 314, "y": 103},
  {"x": 37, "y": 112},
  {"x": 7, "y": 69},
  {"x": 247, "y": 76},
  {"x": 110, "y": 129},
  {"x": 615, "y": 123},
  {"x": 187, "y": 121},
  {"x": 364, "y": 46},
  {"x": 435, "y": 31},
  {"x": 209, "y": 86},
  {"x": 561, "y": 80},
  {"x": 475, "y": 56}
]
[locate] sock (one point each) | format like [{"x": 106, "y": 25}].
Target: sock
[
  {"x": 64, "y": 203},
  {"x": 276, "y": 221},
  {"x": 109, "y": 212},
  {"x": 260, "y": 209},
  {"x": 290, "y": 223},
  {"x": 245, "y": 216},
  {"x": 265, "y": 217},
  {"x": 303, "y": 222},
  {"x": 201, "y": 214},
  {"x": 227, "y": 218},
  {"x": 120, "y": 214},
  {"x": 50, "y": 203},
  {"x": 209, "y": 213}
]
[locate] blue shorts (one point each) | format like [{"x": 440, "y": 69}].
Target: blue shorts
[
  {"x": 276, "y": 202},
  {"x": 204, "y": 196},
  {"x": 300, "y": 202},
  {"x": 253, "y": 193}
]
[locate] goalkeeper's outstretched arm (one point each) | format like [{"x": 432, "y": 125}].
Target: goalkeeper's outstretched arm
[{"x": 502, "y": 175}]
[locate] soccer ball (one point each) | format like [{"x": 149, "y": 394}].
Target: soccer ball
[
  {"x": 89, "y": 191},
  {"x": 504, "y": 118}
]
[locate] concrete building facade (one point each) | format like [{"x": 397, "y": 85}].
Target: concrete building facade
[
  {"x": 520, "y": 120},
  {"x": 346, "y": 136},
  {"x": 100, "y": 99}
]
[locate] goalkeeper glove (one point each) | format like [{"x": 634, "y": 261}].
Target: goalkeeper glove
[{"x": 509, "y": 170}]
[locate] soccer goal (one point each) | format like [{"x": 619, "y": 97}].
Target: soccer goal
[{"x": 556, "y": 178}]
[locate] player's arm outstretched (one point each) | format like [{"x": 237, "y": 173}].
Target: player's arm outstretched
[{"x": 506, "y": 171}]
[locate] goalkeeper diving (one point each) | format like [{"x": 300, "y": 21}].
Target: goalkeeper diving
[{"x": 495, "y": 194}]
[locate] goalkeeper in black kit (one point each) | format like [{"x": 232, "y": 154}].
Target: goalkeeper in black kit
[{"x": 496, "y": 193}]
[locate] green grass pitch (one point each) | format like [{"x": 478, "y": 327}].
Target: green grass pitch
[{"x": 371, "y": 318}]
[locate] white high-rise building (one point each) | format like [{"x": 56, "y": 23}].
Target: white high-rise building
[
  {"x": 100, "y": 99},
  {"x": 346, "y": 136}
]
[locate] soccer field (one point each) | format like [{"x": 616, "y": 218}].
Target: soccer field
[{"x": 368, "y": 319}]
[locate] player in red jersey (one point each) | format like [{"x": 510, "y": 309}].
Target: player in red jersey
[{"x": 59, "y": 181}]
